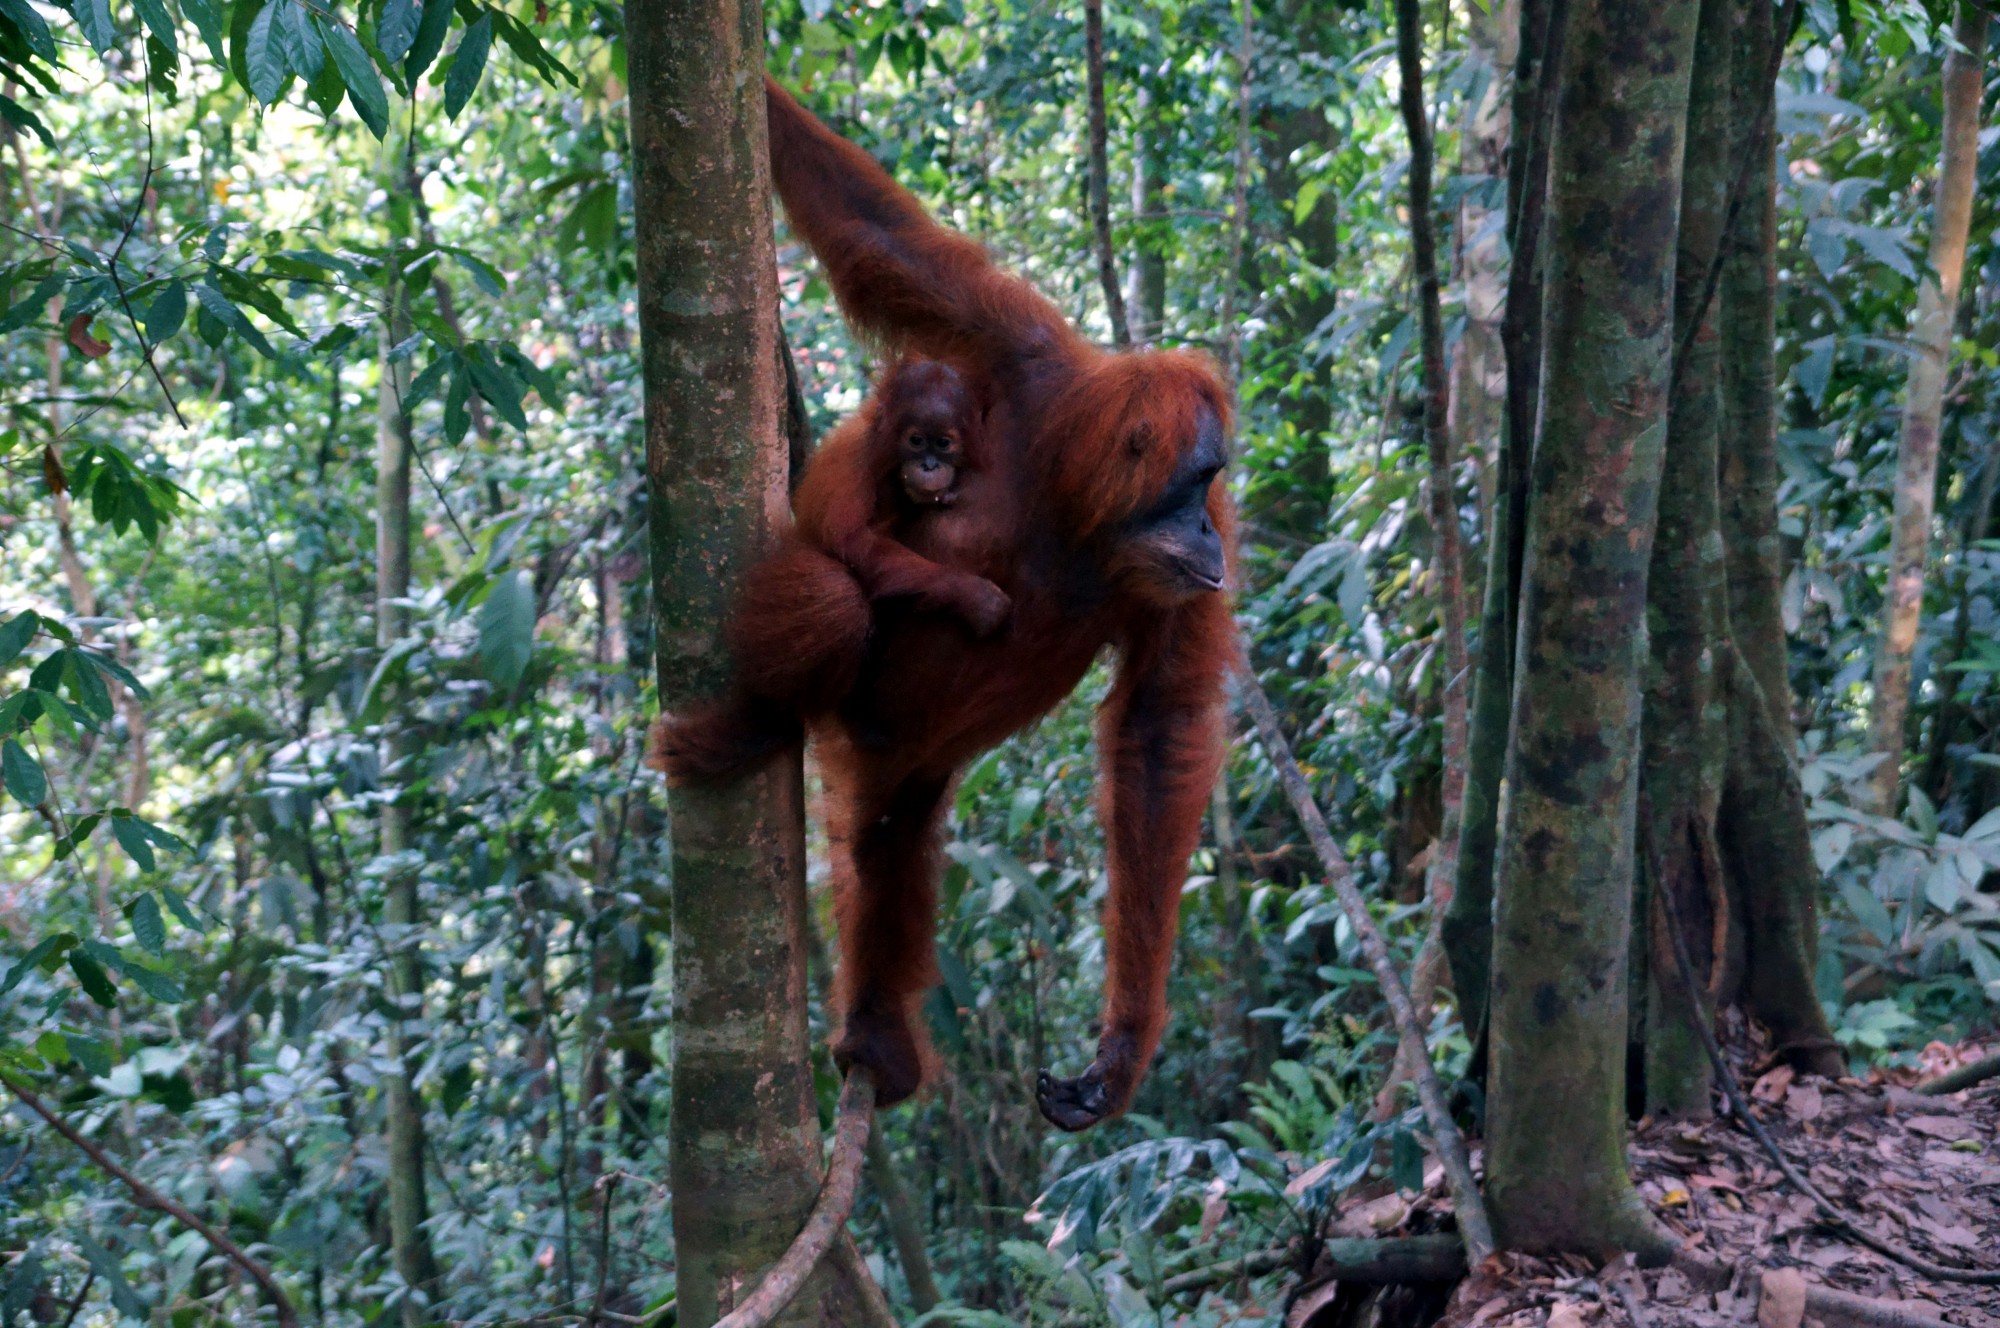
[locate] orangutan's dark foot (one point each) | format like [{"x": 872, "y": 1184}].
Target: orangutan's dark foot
[
  {"x": 1075, "y": 1104},
  {"x": 886, "y": 1046}
]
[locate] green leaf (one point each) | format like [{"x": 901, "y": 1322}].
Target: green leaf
[
  {"x": 297, "y": 33},
  {"x": 133, "y": 840},
  {"x": 507, "y": 629},
  {"x": 23, "y": 777},
  {"x": 178, "y": 907},
  {"x": 91, "y": 974},
  {"x": 85, "y": 684},
  {"x": 153, "y": 13},
  {"x": 364, "y": 85},
  {"x": 78, "y": 834},
  {"x": 396, "y": 29},
  {"x": 155, "y": 984},
  {"x": 484, "y": 274},
  {"x": 206, "y": 16},
  {"x": 423, "y": 385},
  {"x": 467, "y": 65},
  {"x": 49, "y": 949},
  {"x": 147, "y": 923},
  {"x": 456, "y": 416},
  {"x": 33, "y": 31},
  {"x": 217, "y": 306},
  {"x": 327, "y": 89},
  {"x": 266, "y": 64},
  {"x": 90, "y": 1053},
  {"x": 122, "y": 1295},
  {"x": 32, "y": 306},
  {"x": 14, "y": 113},
  {"x": 167, "y": 312},
  {"x": 111, "y": 668},
  {"x": 429, "y": 40},
  {"x": 94, "y": 17},
  {"x": 499, "y": 389},
  {"x": 15, "y": 635}
]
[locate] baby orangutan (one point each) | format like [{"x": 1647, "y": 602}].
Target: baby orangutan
[{"x": 899, "y": 502}]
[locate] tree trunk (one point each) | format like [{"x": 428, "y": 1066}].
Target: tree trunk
[
  {"x": 1923, "y": 410},
  {"x": 408, "y": 1208},
  {"x": 1100, "y": 172},
  {"x": 1478, "y": 366},
  {"x": 1148, "y": 300},
  {"x": 1556, "y": 1106},
  {"x": 1468, "y": 923},
  {"x": 745, "y": 1143},
  {"x": 1687, "y": 617},
  {"x": 1773, "y": 880}
]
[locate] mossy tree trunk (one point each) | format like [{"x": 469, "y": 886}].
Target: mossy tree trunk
[
  {"x": 1773, "y": 882},
  {"x": 1468, "y": 923},
  {"x": 745, "y": 1141},
  {"x": 1923, "y": 408},
  {"x": 1556, "y": 1173},
  {"x": 1687, "y": 618}
]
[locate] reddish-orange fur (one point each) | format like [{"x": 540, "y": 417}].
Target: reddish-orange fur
[{"x": 1080, "y": 448}]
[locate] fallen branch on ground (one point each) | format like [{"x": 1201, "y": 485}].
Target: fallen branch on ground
[
  {"x": 828, "y": 1221},
  {"x": 1965, "y": 1076},
  {"x": 1465, "y": 1200},
  {"x": 147, "y": 1197},
  {"x": 1837, "y": 1309}
]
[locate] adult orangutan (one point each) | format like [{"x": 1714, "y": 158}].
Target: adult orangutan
[{"x": 1103, "y": 519}]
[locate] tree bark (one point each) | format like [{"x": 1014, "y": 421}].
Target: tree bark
[
  {"x": 1923, "y": 409},
  {"x": 1148, "y": 300},
  {"x": 1555, "y": 1108},
  {"x": 1687, "y": 616},
  {"x": 1100, "y": 172},
  {"x": 408, "y": 1207},
  {"x": 1772, "y": 879},
  {"x": 745, "y": 1142},
  {"x": 1468, "y": 923},
  {"x": 1478, "y": 366}
]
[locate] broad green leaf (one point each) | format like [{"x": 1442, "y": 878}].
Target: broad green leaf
[
  {"x": 32, "y": 306},
  {"x": 147, "y": 923},
  {"x": 108, "y": 1268},
  {"x": 396, "y": 29},
  {"x": 429, "y": 39},
  {"x": 111, "y": 668},
  {"x": 206, "y": 15},
  {"x": 507, "y": 629},
  {"x": 499, "y": 389},
  {"x": 46, "y": 953},
  {"x": 94, "y": 17},
  {"x": 90, "y": 1053},
  {"x": 456, "y": 415},
  {"x": 484, "y": 275},
  {"x": 33, "y": 30},
  {"x": 22, "y": 775},
  {"x": 155, "y": 984},
  {"x": 133, "y": 840},
  {"x": 15, "y": 635},
  {"x": 327, "y": 89},
  {"x": 153, "y": 13},
  {"x": 179, "y": 908},
  {"x": 364, "y": 85},
  {"x": 265, "y": 62},
  {"x": 85, "y": 685},
  {"x": 467, "y": 65},
  {"x": 14, "y": 113},
  {"x": 217, "y": 306},
  {"x": 167, "y": 312},
  {"x": 304, "y": 51},
  {"x": 95, "y": 984}
]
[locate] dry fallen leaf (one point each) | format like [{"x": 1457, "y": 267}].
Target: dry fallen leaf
[
  {"x": 1569, "y": 1314},
  {"x": 79, "y": 337},
  {"x": 1950, "y": 1128},
  {"x": 1771, "y": 1087},
  {"x": 1782, "y": 1301}
]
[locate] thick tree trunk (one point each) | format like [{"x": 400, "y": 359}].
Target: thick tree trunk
[
  {"x": 745, "y": 1143},
  {"x": 408, "y": 1208},
  {"x": 1556, "y": 1104},
  {"x": 1687, "y": 617},
  {"x": 1468, "y": 923},
  {"x": 1923, "y": 409},
  {"x": 1100, "y": 172},
  {"x": 1773, "y": 880}
]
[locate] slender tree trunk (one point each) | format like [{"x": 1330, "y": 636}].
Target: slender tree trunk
[
  {"x": 745, "y": 1142},
  {"x": 1556, "y": 1105},
  {"x": 1478, "y": 365},
  {"x": 1239, "y": 197},
  {"x": 1766, "y": 844},
  {"x": 1100, "y": 173},
  {"x": 408, "y": 1208},
  {"x": 1447, "y": 579},
  {"x": 905, "y": 1227},
  {"x": 1687, "y": 617},
  {"x": 1923, "y": 409},
  {"x": 1148, "y": 301},
  {"x": 1468, "y": 924}
]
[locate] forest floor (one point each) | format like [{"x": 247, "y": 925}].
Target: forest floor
[{"x": 1921, "y": 1172}]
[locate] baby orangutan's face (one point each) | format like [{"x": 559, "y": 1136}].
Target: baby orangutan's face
[{"x": 932, "y": 457}]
